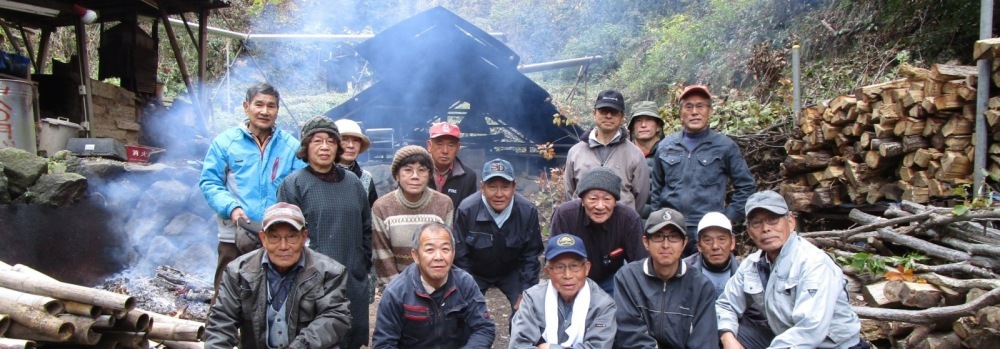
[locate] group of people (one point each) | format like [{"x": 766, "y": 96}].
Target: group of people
[{"x": 641, "y": 257}]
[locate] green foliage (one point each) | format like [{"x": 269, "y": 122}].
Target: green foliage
[
  {"x": 877, "y": 265},
  {"x": 977, "y": 200}
]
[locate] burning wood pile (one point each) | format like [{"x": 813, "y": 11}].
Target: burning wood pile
[
  {"x": 926, "y": 274},
  {"x": 37, "y": 309},
  {"x": 907, "y": 139}
]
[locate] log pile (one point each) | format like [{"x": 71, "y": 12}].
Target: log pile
[
  {"x": 36, "y": 309},
  {"x": 906, "y": 139},
  {"x": 948, "y": 298}
]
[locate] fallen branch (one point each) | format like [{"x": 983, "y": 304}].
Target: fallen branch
[{"x": 932, "y": 315}]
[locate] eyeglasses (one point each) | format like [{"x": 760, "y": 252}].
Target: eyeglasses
[
  {"x": 759, "y": 223},
  {"x": 289, "y": 239},
  {"x": 692, "y": 106},
  {"x": 410, "y": 171},
  {"x": 562, "y": 268},
  {"x": 316, "y": 141},
  {"x": 661, "y": 237}
]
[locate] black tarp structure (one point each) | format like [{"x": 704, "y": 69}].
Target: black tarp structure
[{"x": 436, "y": 66}]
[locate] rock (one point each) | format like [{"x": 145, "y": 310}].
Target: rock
[
  {"x": 122, "y": 196},
  {"x": 156, "y": 208},
  {"x": 22, "y": 169},
  {"x": 185, "y": 229},
  {"x": 57, "y": 189},
  {"x": 161, "y": 251},
  {"x": 196, "y": 204},
  {"x": 198, "y": 259},
  {"x": 104, "y": 168},
  {"x": 4, "y": 196},
  {"x": 71, "y": 162}
]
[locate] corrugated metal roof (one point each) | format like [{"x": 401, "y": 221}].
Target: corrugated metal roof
[{"x": 107, "y": 10}]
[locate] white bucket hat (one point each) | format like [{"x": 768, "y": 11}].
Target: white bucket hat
[{"x": 349, "y": 127}]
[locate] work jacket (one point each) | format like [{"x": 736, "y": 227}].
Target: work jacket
[
  {"x": 461, "y": 183},
  {"x": 485, "y": 250},
  {"x": 805, "y": 299},
  {"x": 528, "y": 325},
  {"x": 317, "y": 309},
  {"x": 454, "y": 316},
  {"x": 623, "y": 158},
  {"x": 236, "y": 173},
  {"x": 695, "y": 182},
  {"x": 652, "y": 313},
  {"x": 753, "y": 314}
]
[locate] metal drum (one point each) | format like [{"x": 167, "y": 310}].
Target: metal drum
[{"x": 17, "y": 122}]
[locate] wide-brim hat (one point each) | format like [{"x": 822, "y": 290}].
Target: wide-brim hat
[{"x": 349, "y": 127}]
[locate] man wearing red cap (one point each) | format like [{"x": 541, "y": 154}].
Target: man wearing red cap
[
  {"x": 695, "y": 167},
  {"x": 451, "y": 177}
]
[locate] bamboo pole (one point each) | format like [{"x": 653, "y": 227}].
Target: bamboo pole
[
  {"x": 181, "y": 345},
  {"x": 124, "y": 339},
  {"x": 36, "y": 320},
  {"x": 82, "y": 309},
  {"x": 104, "y": 322},
  {"x": 4, "y": 323},
  {"x": 135, "y": 321},
  {"x": 23, "y": 331},
  {"x": 32, "y": 284},
  {"x": 13, "y": 343},
  {"x": 84, "y": 333},
  {"x": 176, "y": 332},
  {"x": 47, "y": 304}
]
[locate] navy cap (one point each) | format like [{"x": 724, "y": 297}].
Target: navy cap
[
  {"x": 565, "y": 243},
  {"x": 498, "y": 168}
]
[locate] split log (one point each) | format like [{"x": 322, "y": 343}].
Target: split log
[
  {"x": 946, "y": 340},
  {"x": 36, "y": 321},
  {"x": 964, "y": 327},
  {"x": 31, "y": 284},
  {"x": 957, "y": 126},
  {"x": 809, "y": 162},
  {"x": 876, "y": 295},
  {"x": 948, "y": 102},
  {"x": 176, "y": 331},
  {"x": 954, "y": 165},
  {"x": 932, "y": 315},
  {"x": 919, "y": 295},
  {"x": 918, "y": 335},
  {"x": 989, "y": 317},
  {"x": 13, "y": 343},
  {"x": 914, "y": 143},
  {"x": 948, "y": 72},
  {"x": 47, "y": 304},
  {"x": 890, "y": 149},
  {"x": 982, "y": 338}
]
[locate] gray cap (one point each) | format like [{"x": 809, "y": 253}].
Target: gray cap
[
  {"x": 601, "y": 178},
  {"x": 664, "y": 217},
  {"x": 768, "y": 200}
]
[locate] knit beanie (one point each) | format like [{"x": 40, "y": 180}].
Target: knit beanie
[
  {"x": 403, "y": 153},
  {"x": 319, "y": 123},
  {"x": 600, "y": 178}
]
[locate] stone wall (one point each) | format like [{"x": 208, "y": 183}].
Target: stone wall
[{"x": 115, "y": 113}]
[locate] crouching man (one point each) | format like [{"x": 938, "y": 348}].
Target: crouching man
[
  {"x": 281, "y": 296},
  {"x": 661, "y": 302},
  {"x": 568, "y": 311},
  {"x": 430, "y": 304},
  {"x": 799, "y": 287}
]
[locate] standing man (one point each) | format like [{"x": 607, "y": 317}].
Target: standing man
[
  {"x": 353, "y": 142},
  {"x": 611, "y": 231},
  {"x": 432, "y": 305},
  {"x": 342, "y": 228},
  {"x": 695, "y": 167},
  {"x": 715, "y": 259},
  {"x": 646, "y": 129},
  {"x": 607, "y": 146},
  {"x": 568, "y": 310},
  {"x": 284, "y": 295},
  {"x": 801, "y": 290},
  {"x": 497, "y": 235},
  {"x": 451, "y": 177},
  {"x": 662, "y": 303},
  {"x": 243, "y": 168}
]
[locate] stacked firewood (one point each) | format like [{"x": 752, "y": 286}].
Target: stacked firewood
[
  {"x": 934, "y": 283},
  {"x": 37, "y": 309},
  {"x": 906, "y": 139}
]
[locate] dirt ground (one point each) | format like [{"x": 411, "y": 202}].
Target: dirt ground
[{"x": 495, "y": 301}]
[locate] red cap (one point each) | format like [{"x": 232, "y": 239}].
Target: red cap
[
  {"x": 699, "y": 89},
  {"x": 445, "y": 129}
]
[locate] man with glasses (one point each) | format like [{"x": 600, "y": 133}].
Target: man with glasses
[
  {"x": 497, "y": 235},
  {"x": 607, "y": 146},
  {"x": 283, "y": 295},
  {"x": 715, "y": 259},
  {"x": 569, "y": 310},
  {"x": 661, "y": 302},
  {"x": 801, "y": 289},
  {"x": 696, "y": 165}
]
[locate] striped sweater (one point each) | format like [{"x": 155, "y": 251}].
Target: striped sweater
[{"x": 395, "y": 220}]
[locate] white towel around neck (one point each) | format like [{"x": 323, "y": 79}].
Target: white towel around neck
[{"x": 578, "y": 319}]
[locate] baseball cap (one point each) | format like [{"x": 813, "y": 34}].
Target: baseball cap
[
  {"x": 498, "y": 168},
  {"x": 664, "y": 217},
  {"x": 445, "y": 129},
  {"x": 284, "y": 212},
  {"x": 610, "y": 99},
  {"x": 715, "y": 219},
  {"x": 565, "y": 243},
  {"x": 768, "y": 200},
  {"x": 696, "y": 89}
]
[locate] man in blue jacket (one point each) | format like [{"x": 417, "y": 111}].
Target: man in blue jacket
[
  {"x": 243, "y": 168},
  {"x": 695, "y": 167},
  {"x": 430, "y": 304}
]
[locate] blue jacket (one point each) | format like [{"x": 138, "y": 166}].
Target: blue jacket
[
  {"x": 695, "y": 183},
  {"x": 237, "y": 174},
  {"x": 454, "y": 316}
]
